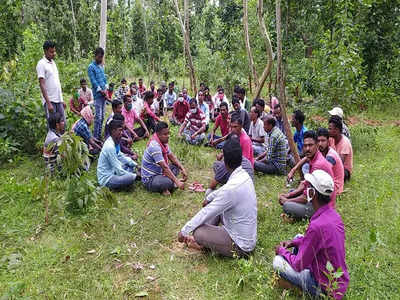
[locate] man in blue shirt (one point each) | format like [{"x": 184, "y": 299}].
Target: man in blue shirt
[
  {"x": 115, "y": 170},
  {"x": 297, "y": 122},
  {"x": 99, "y": 88}
]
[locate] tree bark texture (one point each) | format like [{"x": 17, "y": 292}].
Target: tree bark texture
[
  {"x": 280, "y": 72},
  {"x": 103, "y": 25},
  {"x": 268, "y": 47},
  {"x": 247, "y": 43}
]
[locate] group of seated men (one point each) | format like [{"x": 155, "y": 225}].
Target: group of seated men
[{"x": 251, "y": 139}]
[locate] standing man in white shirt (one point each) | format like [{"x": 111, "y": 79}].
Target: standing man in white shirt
[
  {"x": 49, "y": 82},
  {"x": 234, "y": 206}
]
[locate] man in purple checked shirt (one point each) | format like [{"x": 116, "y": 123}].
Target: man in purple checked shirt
[{"x": 323, "y": 243}]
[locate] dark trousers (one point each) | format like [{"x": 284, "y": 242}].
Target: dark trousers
[
  {"x": 161, "y": 183},
  {"x": 57, "y": 107}
]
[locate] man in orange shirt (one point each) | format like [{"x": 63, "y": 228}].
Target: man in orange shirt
[{"x": 341, "y": 144}]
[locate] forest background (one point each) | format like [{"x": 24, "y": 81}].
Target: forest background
[{"x": 338, "y": 52}]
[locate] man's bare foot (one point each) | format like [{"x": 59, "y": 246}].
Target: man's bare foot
[
  {"x": 287, "y": 219},
  {"x": 194, "y": 245},
  {"x": 166, "y": 193}
]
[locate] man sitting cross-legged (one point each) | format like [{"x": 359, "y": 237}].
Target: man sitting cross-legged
[
  {"x": 180, "y": 109},
  {"x": 257, "y": 132},
  {"x": 272, "y": 161},
  {"x": 233, "y": 206},
  {"x": 295, "y": 202},
  {"x": 341, "y": 144},
  {"x": 330, "y": 155},
  {"x": 157, "y": 174},
  {"x": 306, "y": 266},
  {"x": 221, "y": 173},
  {"x": 149, "y": 117},
  {"x": 81, "y": 128},
  {"x": 194, "y": 125},
  {"x": 223, "y": 122},
  {"x": 115, "y": 170},
  {"x": 131, "y": 118}
]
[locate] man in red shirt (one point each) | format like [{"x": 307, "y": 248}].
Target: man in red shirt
[
  {"x": 181, "y": 108},
  {"x": 141, "y": 87},
  {"x": 194, "y": 126},
  {"x": 295, "y": 203},
  {"x": 222, "y": 121}
]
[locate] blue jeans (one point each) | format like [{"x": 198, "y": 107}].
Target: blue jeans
[
  {"x": 100, "y": 107},
  {"x": 122, "y": 182},
  {"x": 303, "y": 279},
  {"x": 216, "y": 137},
  {"x": 187, "y": 133}
]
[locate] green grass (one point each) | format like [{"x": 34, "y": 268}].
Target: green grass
[{"x": 53, "y": 261}]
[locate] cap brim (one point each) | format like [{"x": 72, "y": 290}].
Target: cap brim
[{"x": 311, "y": 179}]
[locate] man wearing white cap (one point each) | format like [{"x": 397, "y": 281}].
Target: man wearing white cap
[
  {"x": 321, "y": 247},
  {"x": 337, "y": 111}
]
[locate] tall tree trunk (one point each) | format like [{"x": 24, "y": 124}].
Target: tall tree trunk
[
  {"x": 268, "y": 46},
  {"x": 280, "y": 72},
  {"x": 103, "y": 25},
  {"x": 186, "y": 40},
  {"x": 247, "y": 42},
  {"x": 146, "y": 36}
]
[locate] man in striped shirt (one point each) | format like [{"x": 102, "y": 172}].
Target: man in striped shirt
[
  {"x": 272, "y": 161},
  {"x": 158, "y": 175},
  {"x": 194, "y": 126}
]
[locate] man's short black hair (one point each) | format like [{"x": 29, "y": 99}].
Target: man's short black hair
[
  {"x": 111, "y": 85},
  {"x": 125, "y": 97},
  {"x": 260, "y": 102},
  {"x": 115, "y": 103},
  {"x": 148, "y": 95},
  {"x": 310, "y": 134},
  {"x": 160, "y": 126},
  {"x": 235, "y": 118},
  {"x": 323, "y": 132},
  {"x": 256, "y": 111},
  {"x": 99, "y": 51},
  {"x": 236, "y": 89},
  {"x": 123, "y": 80},
  {"x": 277, "y": 106},
  {"x": 83, "y": 80},
  {"x": 119, "y": 117},
  {"x": 151, "y": 82},
  {"x": 322, "y": 199},
  {"x": 235, "y": 99},
  {"x": 270, "y": 119},
  {"x": 55, "y": 119},
  {"x": 299, "y": 116},
  {"x": 232, "y": 153},
  {"x": 193, "y": 100},
  {"x": 337, "y": 121},
  {"x": 114, "y": 124},
  {"x": 172, "y": 83},
  {"x": 140, "y": 79},
  {"x": 242, "y": 91},
  {"x": 224, "y": 104},
  {"x": 48, "y": 44}
]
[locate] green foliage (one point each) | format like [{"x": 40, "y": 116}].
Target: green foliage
[{"x": 363, "y": 137}]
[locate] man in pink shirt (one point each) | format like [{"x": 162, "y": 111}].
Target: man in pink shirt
[
  {"x": 220, "y": 171},
  {"x": 131, "y": 118},
  {"x": 341, "y": 144},
  {"x": 223, "y": 122},
  {"x": 295, "y": 202},
  {"x": 333, "y": 157}
]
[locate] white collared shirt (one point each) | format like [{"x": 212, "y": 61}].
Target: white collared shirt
[
  {"x": 236, "y": 202},
  {"x": 48, "y": 71}
]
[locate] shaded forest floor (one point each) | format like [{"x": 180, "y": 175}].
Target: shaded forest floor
[{"x": 130, "y": 249}]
